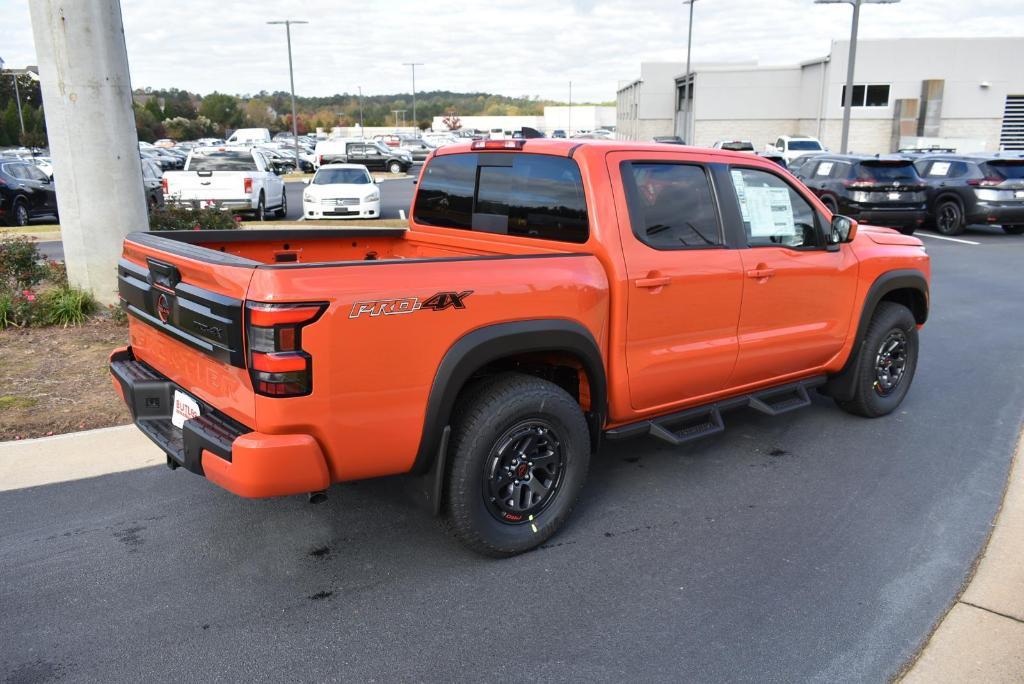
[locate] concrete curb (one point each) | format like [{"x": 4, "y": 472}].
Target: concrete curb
[
  {"x": 75, "y": 456},
  {"x": 981, "y": 638}
]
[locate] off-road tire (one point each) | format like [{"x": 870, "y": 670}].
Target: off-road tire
[
  {"x": 868, "y": 400},
  {"x": 484, "y": 416}
]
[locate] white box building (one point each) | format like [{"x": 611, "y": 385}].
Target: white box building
[{"x": 961, "y": 92}]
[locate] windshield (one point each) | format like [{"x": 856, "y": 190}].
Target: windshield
[
  {"x": 223, "y": 161},
  {"x": 1006, "y": 169},
  {"x": 341, "y": 177},
  {"x": 382, "y": 147},
  {"x": 804, "y": 145},
  {"x": 887, "y": 171}
]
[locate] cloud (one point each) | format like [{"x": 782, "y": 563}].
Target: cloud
[{"x": 513, "y": 47}]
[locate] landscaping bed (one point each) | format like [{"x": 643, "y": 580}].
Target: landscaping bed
[{"x": 55, "y": 380}]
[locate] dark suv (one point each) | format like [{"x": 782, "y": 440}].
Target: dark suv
[
  {"x": 966, "y": 190},
  {"x": 884, "y": 191},
  {"x": 25, "y": 192}
]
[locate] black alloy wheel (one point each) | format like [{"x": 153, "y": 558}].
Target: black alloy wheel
[
  {"x": 523, "y": 472},
  {"x": 949, "y": 218},
  {"x": 890, "y": 363}
]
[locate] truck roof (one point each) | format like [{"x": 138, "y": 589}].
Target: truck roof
[{"x": 565, "y": 147}]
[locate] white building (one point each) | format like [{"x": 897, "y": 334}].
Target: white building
[
  {"x": 962, "y": 92},
  {"x": 575, "y": 118}
]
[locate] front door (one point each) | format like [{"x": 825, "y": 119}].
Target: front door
[
  {"x": 798, "y": 294},
  {"x": 684, "y": 285}
]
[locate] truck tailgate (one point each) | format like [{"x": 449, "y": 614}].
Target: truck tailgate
[
  {"x": 206, "y": 185},
  {"x": 187, "y": 320}
]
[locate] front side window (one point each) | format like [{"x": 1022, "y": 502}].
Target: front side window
[
  {"x": 773, "y": 213},
  {"x": 529, "y": 195},
  {"x": 671, "y": 206}
]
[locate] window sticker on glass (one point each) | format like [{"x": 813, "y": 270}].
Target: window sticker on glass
[
  {"x": 824, "y": 169},
  {"x": 939, "y": 169},
  {"x": 741, "y": 188},
  {"x": 770, "y": 211}
]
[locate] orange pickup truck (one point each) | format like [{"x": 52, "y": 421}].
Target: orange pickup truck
[{"x": 548, "y": 295}]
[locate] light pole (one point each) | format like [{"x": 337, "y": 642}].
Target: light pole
[
  {"x": 686, "y": 79},
  {"x": 17, "y": 96},
  {"x": 413, "y": 65},
  {"x": 360, "y": 110},
  {"x": 568, "y": 128},
  {"x": 851, "y": 60},
  {"x": 291, "y": 77}
]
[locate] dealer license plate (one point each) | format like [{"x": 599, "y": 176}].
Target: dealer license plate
[
  {"x": 894, "y": 195},
  {"x": 185, "y": 407},
  {"x": 1019, "y": 194}
]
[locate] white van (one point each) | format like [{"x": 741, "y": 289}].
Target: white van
[{"x": 249, "y": 136}]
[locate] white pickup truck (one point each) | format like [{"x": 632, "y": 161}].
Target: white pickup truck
[{"x": 239, "y": 179}]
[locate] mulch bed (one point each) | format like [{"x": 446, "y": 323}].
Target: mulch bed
[{"x": 55, "y": 380}]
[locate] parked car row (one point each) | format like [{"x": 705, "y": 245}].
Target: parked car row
[{"x": 26, "y": 192}]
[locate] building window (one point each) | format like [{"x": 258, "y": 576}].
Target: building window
[{"x": 874, "y": 95}]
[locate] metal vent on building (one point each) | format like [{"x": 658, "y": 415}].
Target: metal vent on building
[{"x": 1012, "y": 135}]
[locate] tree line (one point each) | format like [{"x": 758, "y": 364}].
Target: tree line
[
  {"x": 31, "y": 112},
  {"x": 181, "y": 115}
]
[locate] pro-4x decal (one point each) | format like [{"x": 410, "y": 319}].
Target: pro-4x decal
[{"x": 408, "y": 305}]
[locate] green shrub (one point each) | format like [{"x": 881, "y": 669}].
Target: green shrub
[
  {"x": 57, "y": 273},
  {"x": 66, "y": 306},
  {"x": 174, "y": 218},
  {"x": 117, "y": 314},
  {"x": 21, "y": 264}
]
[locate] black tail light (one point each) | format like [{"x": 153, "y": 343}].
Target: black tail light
[{"x": 278, "y": 365}]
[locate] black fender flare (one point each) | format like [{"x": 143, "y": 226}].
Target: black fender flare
[
  {"x": 476, "y": 349},
  {"x": 843, "y": 384}
]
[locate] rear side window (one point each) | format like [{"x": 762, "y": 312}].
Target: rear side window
[
  {"x": 671, "y": 206},
  {"x": 529, "y": 195}
]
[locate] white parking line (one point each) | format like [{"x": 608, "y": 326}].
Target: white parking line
[{"x": 943, "y": 237}]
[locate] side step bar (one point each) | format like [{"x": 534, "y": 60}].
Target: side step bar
[{"x": 703, "y": 421}]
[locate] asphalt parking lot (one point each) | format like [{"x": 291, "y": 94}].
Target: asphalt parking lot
[{"x": 816, "y": 546}]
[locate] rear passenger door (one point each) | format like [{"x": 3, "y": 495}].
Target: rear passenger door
[
  {"x": 684, "y": 284},
  {"x": 798, "y": 292}
]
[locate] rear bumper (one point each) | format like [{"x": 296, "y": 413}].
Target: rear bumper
[
  {"x": 227, "y": 453},
  {"x": 1009, "y": 213},
  {"x": 887, "y": 217},
  {"x": 226, "y": 204}
]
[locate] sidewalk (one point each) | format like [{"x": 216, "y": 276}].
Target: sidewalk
[
  {"x": 75, "y": 456},
  {"x": 981, "y": 639}
]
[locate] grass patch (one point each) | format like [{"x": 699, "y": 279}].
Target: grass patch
[
  {"x": 12, "y": 401},
  {"x": 67, "y": 306}
]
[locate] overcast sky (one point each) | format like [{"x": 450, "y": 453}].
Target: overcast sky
[{"x": 512, "y": 47}]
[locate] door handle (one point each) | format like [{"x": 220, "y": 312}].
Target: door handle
[
  {"x": 657, "y": 281},
  {"x": 761, "y": 273}
]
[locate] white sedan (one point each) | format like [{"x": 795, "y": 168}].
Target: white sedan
[{"x": 341, "y": 191}]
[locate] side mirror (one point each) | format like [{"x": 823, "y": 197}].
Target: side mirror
[
  {"x": 307, "y": 181},
  {"x": 843, "y": 229}
]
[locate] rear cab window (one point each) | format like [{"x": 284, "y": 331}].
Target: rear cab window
[
  {"x": 527, "y": 195},
  {"x": 223, "y": 161}
]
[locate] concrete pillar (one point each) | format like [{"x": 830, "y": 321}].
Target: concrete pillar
[
  {"x": 87, "y": 95},
  {"x": 929, "y": 120},
  {"x": 904, "y": 122}
]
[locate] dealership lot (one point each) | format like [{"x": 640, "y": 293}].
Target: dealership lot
[{"x": 812, "y": 546}]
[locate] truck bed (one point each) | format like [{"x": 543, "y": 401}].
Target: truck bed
[{"x": 318, "y": 246}]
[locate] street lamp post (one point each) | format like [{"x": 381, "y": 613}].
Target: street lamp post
[
  {"x": 686, "y": 79},
  {"x": 291, "y": 77},
  {"x": 851, "y": 60},
  {"x": 568, "y": 129},
  {"x": 360, "y": 110},
  {"x": 17, "y": 96},
  {"x": 413, "y": 65}
]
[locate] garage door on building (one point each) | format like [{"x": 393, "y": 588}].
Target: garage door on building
[{"x": 1012, "y": 135}]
